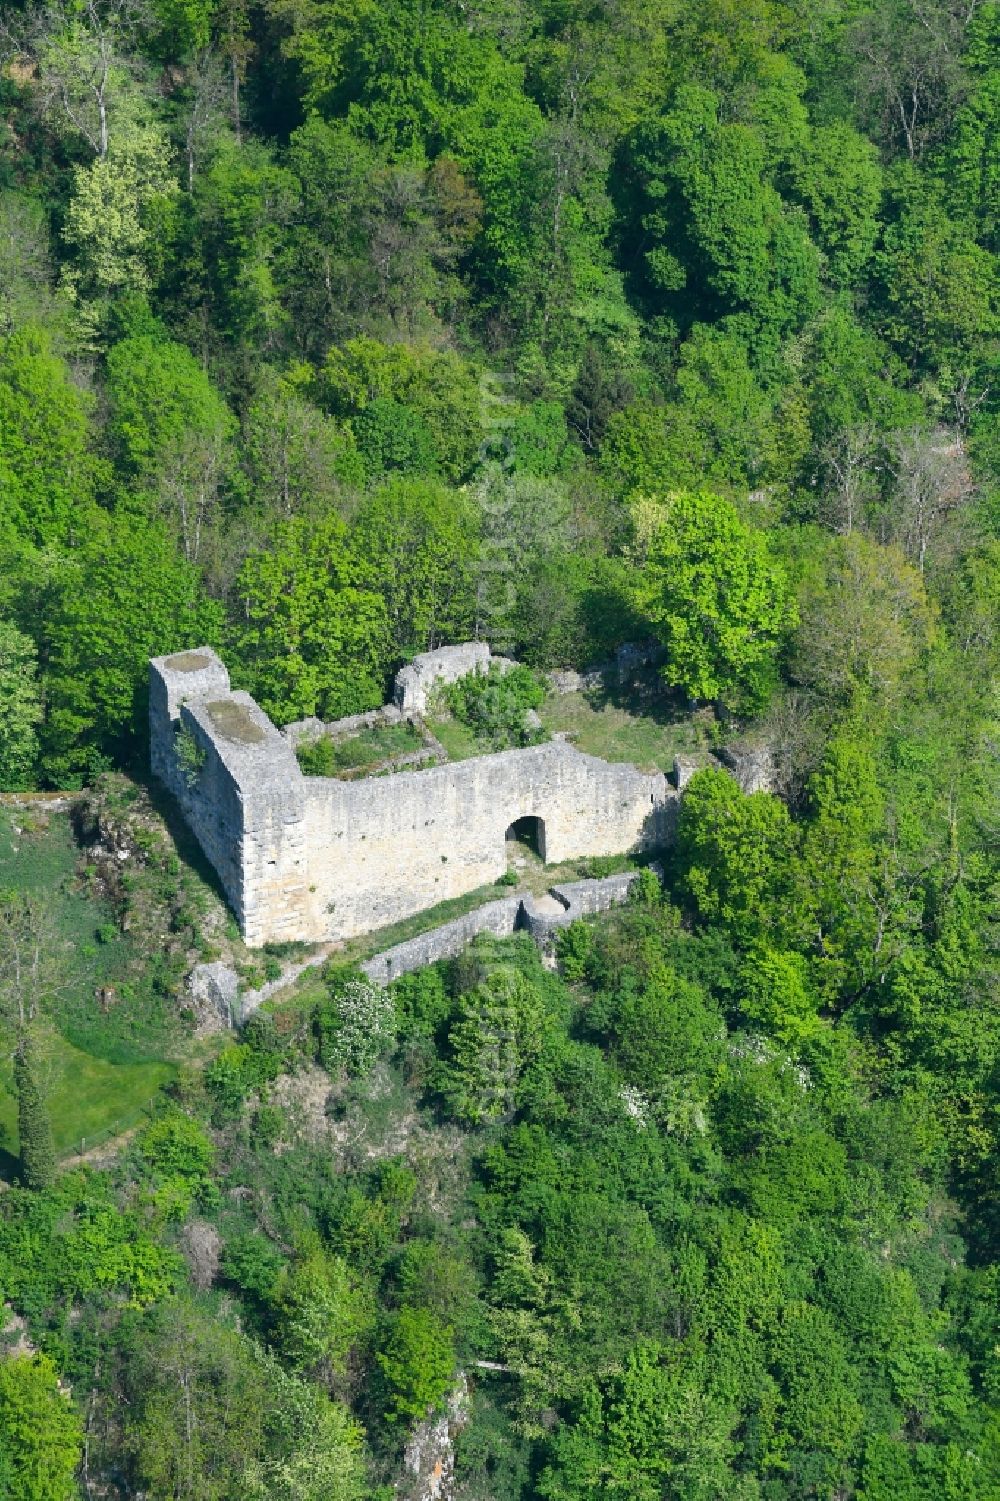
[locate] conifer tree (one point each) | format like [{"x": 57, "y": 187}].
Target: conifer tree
[{"x": 38, "y": 1155}]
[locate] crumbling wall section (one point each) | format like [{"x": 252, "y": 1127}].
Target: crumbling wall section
[
  {"x": 242, "y": 792},
  {"x": 415, "y": 682}
]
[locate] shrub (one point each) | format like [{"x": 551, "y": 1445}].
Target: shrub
[
  {"x": 574, "y": 947},
  {"x": 238, "y": 1071},
  {"x": 190, "y": 756},
  {"x": 355, "y": 1025},
  {"x": 178, "y": 1146},
  {"x": 495, "y": 705}
]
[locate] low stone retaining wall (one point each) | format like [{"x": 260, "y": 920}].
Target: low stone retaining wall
[
  {"x": 445, "y": 942},
  {"x": 576, "y": 899},
  {"x": 631, "y": 657},
  {"x": 540, "y": 917}
]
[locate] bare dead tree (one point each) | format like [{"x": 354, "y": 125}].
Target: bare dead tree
[
  {"x": 910, "y": 73},
  {"x": 27, "y": 969},
  {"x": 932, "y": 488},
  {"x": 208, "y": 95},
  {"x": 851, "y": 464},
  {"x": 75, "y": 58}
]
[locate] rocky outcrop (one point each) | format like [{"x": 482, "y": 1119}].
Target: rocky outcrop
[
  {"x": 429, "y": 1456},
  {"x": 214, "y": 990}
]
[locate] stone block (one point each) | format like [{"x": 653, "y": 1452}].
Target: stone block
[{"x": 216, "y": 987}]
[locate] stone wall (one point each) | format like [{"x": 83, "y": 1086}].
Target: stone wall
[
  {"x": 318, "y": 859},
  {"x": 446, "y": 665},
  {"x": 386, "y": 847},
  {"x": 444, "y": 942},
  {"x": 540, "y": 917},
  {"x": 246, "y": 805}
]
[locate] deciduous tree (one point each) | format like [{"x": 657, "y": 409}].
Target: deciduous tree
[{"x": 716, "y": 599}]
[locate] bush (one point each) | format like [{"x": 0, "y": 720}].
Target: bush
[
  {"x": 495, "y": 705},
  {"x": 417, "y": 1365},
  {"x": 238, "y": 1071},
  {"x": 190, "y": 756},
  {"x": 355, "y": 1025},
  {"x": 176, "y": 1144},
  {"x": 574, "y": 947}
]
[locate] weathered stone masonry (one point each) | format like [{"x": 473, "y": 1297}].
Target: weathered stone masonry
[{"x": 317, "y": 859}]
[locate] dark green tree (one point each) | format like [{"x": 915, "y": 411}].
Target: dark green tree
[{"x": 34, "y": 1124}]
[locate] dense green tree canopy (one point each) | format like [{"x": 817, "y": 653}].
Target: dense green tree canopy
[
  {"x": 331, "y": 333},
  {"x": 40, "y": 1432}
]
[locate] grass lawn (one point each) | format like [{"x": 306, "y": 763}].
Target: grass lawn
[
  {"x": 457, "y": 739},
  {"x": 618, "y": 729},
  {"x": 647, "y": 731},
  {"x": 88, "y": 1098},
  {"x": 102, "y": 1065}
]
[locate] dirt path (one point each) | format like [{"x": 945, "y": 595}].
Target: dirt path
[{"x": 103, "y": 1153}]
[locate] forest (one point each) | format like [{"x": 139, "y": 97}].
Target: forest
[{"x": 331, "y": 333}]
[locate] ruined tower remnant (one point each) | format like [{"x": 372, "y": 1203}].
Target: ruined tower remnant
[{"x": 317, "y": 858}]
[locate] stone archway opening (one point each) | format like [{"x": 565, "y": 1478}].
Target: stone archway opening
[{"x": 526, "y": 838}]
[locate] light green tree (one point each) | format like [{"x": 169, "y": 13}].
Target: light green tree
[
  {"x": 122, "y": 597},
  {"x": 80, "y": 54},
  {"x": 312, "y": 1446},
  {"x": 499, "y": 1032},
  {"x": 417, "y": 1362},
  {"x": 439, "y": 386},
  {"x": 173, "y": 432},
  {"x": 25, "y": 264},
  {"x": 187, "y": 1431},
  {"x": 311, "y": 637},
  {"x": 849, "y": 863},
  {"x": 716, "y": 599},
  {"x": 738, "y": 861},
  {"x": 653, "y": 1431},
  {"x": 300, "y": 460},
  {"x": 320, "y": 1312},
  {"x": 818, "y": 1388},
  {"x": 777, "y": 991},
  {"x": 866, "y": 619},
  {"x": 108, "y": 228},
  {"x": 418, "y": 541},
  {"x": 41, "y": 1435},
  {"x": 46, "y": 469}
]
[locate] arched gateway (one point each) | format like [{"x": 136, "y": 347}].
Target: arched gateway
[{"x": 528, "y": 832}]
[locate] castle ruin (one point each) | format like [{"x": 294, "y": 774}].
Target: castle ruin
[{"x": 317, "y": 859}]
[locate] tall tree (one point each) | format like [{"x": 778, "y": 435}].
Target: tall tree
[
  {"x": 28, "y": 977},
  {"x": 34, "y": 1124},
  {"x": 719, "y": 603}
]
